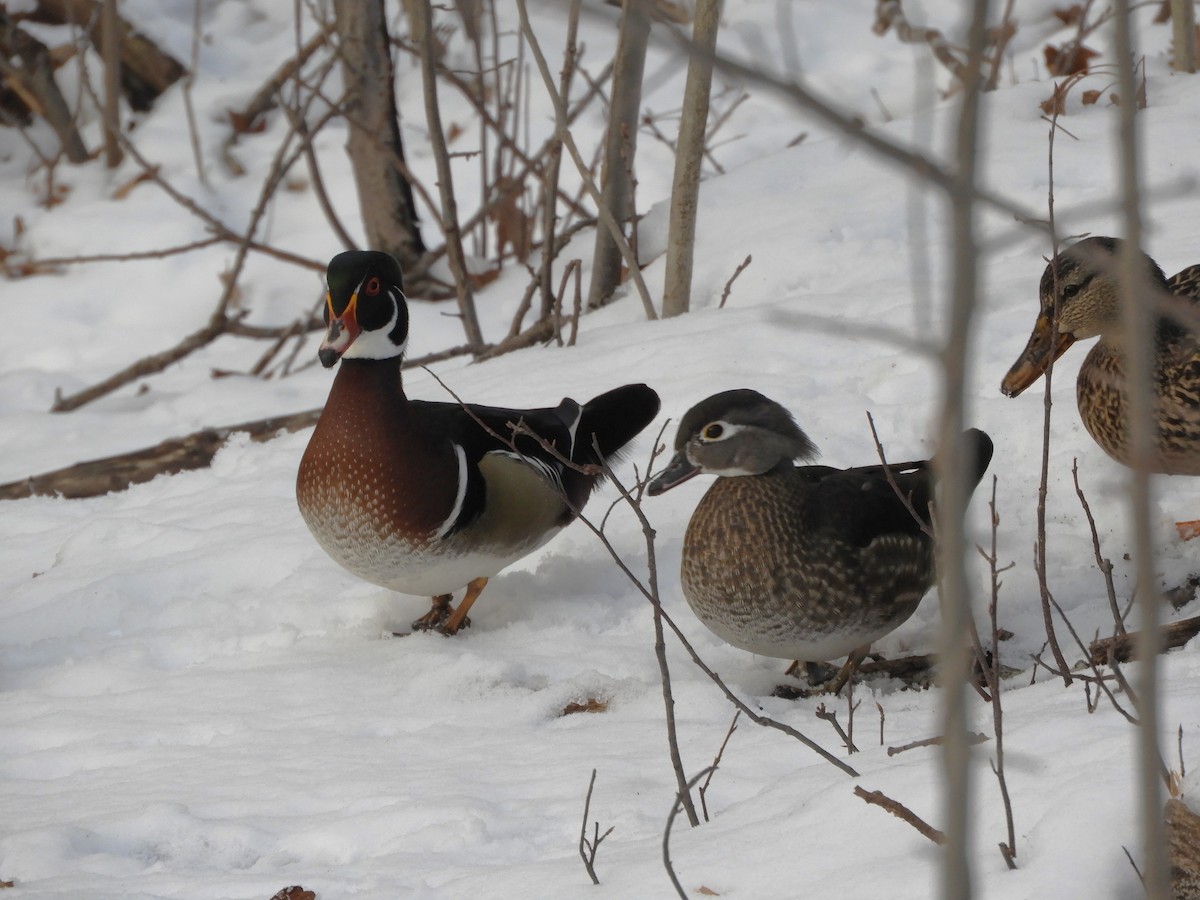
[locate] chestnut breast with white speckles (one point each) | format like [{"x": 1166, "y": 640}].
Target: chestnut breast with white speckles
[
  {"x": 763, "y": 576},
  {"x": 379, "y": 491}
]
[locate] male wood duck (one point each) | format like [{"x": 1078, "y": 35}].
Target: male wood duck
[
  {"x": 808, "y": 563},
  {"x": 425, "y": 497},
  {"x": 1089, "y": 305}
]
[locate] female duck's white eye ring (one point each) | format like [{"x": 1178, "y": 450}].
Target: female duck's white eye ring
[{"x": 718, "y": 431}]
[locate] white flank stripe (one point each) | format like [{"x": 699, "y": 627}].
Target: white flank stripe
[
  {"x": 571, "y": 430},
  {"x": 462, "y": 492}
]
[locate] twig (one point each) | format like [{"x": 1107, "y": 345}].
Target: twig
[
  {"x": 423, "y": 24},
  {"x": 606, "y": 216},
  {"x": 554, "y": 166},
  {"x": 1039, "y": 549},
  {"x": 712, "y": 770},
  {"x": 1008, "y": 850},
  {"x": 318, "y": 182},
  {"x": 902, "y": 812},
  {"x": 1097, "y": 679},
  {"x": 975, "y": 738},
  {"x": 188, "y": 106},
  {"x": 147, "y": 365},
  {"x": 160, "y": 253},
  {"x": 830, "y": 716},
  {"x": 732, "y": 278},
  {"x": 680, "y": 800},
  {"x": 265, "y": 97},
  {"x": 851, "y": 707},
  {"x": 587, "y": 849},
  {"x": 905, "y": 498},
  {"x": 1105, "y": 566}
]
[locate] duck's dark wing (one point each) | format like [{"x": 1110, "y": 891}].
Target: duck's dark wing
[
  {"x": 488, "y": 429},
  {"x": 856, "y": 506},
  {"x": 567, "y": 431},
  {"x": 860, "y": 504}
]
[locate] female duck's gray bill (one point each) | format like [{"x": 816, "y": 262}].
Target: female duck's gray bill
[{"x": 678, "y": 470}]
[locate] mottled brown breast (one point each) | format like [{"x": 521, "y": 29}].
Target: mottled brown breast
[{"x": 1102, "y": 393}]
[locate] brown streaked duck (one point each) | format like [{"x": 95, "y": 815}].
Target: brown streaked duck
[
  {"x": 800, "y": 562},
  {"x": 427, "y": 497},
  {"x": 1089, "y": 305}
]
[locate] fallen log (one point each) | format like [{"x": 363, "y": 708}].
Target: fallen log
[
  {"x": 1123, "y": 647},
  {"x": 116, "y": 473}
]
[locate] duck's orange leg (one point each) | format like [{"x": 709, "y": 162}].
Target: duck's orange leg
[{"x": 458, "y": 619}]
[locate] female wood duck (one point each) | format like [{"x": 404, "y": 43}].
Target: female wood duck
[
  {"x": 1089, "y": 304},
  {"x": 425, "y": 497},
  {"x": 809, "y": 563}
]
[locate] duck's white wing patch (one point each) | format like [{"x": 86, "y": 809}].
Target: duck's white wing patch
[{"x": 460, "y": 495}]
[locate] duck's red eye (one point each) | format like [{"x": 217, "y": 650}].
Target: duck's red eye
[{"x": 372, "y": 287}]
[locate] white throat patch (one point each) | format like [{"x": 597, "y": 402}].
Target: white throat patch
[{"x": 377, "y": 344}]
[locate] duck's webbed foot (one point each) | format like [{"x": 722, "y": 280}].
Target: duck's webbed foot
[{"x": 440, "y": 612}]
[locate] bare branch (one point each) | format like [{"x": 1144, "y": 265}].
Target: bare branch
[
  {"x": 560, "y": 116},
  {"x": 666, "y": 844},
  {"x": 902, "y": 812},
  {"x": 712, "y": 770},
  {"x": 587, "y": 849}
]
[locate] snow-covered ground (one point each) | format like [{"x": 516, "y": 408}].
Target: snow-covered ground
[{"x": 196, "y": 702}]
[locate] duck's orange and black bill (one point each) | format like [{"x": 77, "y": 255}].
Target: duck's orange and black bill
[
  {"x": 678, "y": 470},
  {"x": 341, "y": 331},
  {"x": 1043, "y": 348}
]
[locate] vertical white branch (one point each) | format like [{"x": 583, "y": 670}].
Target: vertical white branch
[
  {"x": 952, "y": 501},
  {"x": 1135, "y": 283}
]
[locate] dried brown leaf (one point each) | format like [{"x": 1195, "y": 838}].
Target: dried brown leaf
[
  {"x": 1055, "y": 104},
  {"x": 1069, "y": 15},
  {"x": 707, "y": 891},
  {"x": 1069, "y": 59},
  {"x": 1090, "y": 97},
  {"x": 295, "y": 892},
  {"x": 590, "y": 705}
]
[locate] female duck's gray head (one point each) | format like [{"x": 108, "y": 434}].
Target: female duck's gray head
[{"x": 733, "y": 433}]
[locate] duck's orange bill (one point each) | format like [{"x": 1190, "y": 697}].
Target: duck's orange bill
[
  {"x": 341, "y": 331},
  {"x": 1043, "y": 348}
]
